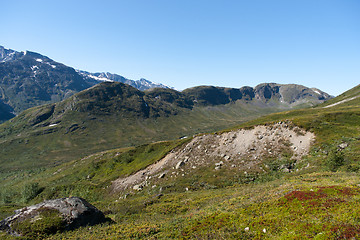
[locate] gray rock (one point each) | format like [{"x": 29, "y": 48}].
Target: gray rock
[
  {"x": 75, "y": 212},
  {"x": 179, "y": 165},
  {"x": 219, "y": 164},
  {"x": 343, "y": 145},
  {"x": 138, "y": 187}
]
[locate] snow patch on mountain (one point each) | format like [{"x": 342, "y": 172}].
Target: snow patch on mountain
[
  {"x": 316, "y": 91},
  {"x": 34, "y": 67},
  {"x": 100, "y": 78}
]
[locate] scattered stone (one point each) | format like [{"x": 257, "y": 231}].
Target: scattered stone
[
  {"x": 217, "y": 167},
  {"x": 162, "y": 175},
  {"x": 219, "y": 164},
  {"x": 186, "y": 159},
  {"x": 233, "y": 165},
  {"x": 227, "y": 157},
  {"x": 247, "y": 229},
  {"x": 138, "y": 187},
  {"x": 260, "y": 137},
  {"x": 186, "y": 189},
  {"x": 343, "y": 145},
  {"x": 179, "y": 164},
  {"x": 264, "y": 230}
]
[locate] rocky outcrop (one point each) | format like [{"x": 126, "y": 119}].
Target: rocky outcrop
[{"x": 66, "y": 213}]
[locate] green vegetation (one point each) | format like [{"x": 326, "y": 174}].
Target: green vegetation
[
  {"x": 319, "y": 199},
  {"x": 46, "y": 222}
]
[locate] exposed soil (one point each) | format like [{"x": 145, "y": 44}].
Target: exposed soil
[
  {"x": 243, "y": 150},
  {"x": 342, "y": 101}
]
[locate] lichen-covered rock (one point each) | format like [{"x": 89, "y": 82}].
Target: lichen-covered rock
[{"x": 51, "y": 216}]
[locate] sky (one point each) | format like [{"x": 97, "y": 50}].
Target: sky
[{"x": 186, "y": 43}]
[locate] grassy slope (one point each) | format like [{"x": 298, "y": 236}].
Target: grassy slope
[{"x": 311, "y": 203}]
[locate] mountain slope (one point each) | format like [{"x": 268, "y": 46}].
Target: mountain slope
[
  {"x": 349, "y": 98},
  {"x": 29, "y": 79},
  {"x": 113, "y": 114}
]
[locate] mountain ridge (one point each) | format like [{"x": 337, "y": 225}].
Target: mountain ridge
[
  {"x": 29, "y": 79},
  {"x": 141, "y": 84}
]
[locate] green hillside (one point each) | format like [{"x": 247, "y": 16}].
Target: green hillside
[{"x": 318, "y": 198}]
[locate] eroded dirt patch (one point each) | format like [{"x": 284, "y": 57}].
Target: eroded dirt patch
[{"x": 244, "y": 150}]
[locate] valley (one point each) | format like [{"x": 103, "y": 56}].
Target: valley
[
  {"x": 112, "y": 115},
  {"x": 300, "y": 166}
]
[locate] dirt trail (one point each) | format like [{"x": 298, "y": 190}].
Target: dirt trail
[
  {"x": 242, "y": 149},
  {"x": 342, "y": 101}
]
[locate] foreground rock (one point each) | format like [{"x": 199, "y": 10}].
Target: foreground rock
[{"x": 52, "y": 216}]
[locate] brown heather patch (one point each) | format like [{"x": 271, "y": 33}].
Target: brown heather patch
[
  {"x": 332, "y": 193},
  {"x": 346, "y": 231},
  {"x": 304, "y": 195},
  {"x": 322, "y": 198},
  {"x": 344, "y": 191}
]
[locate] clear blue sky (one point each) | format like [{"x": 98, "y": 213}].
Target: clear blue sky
[{"x": 184, "y": 43}]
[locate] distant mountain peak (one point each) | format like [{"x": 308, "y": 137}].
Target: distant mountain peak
[{"x": 141, "y": 84}]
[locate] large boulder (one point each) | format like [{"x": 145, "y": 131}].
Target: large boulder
[{"x": 52, "y": 216}]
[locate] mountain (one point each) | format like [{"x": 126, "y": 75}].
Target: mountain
[
  {"x": 112, "y": 114},
  {"x": 29, "y": 79},
  {"x": 290, "y": 95},
  {"x": 141, "y": 84}
]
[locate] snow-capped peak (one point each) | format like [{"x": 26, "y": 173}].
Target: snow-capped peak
[{"x": 141, "y": 84}]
